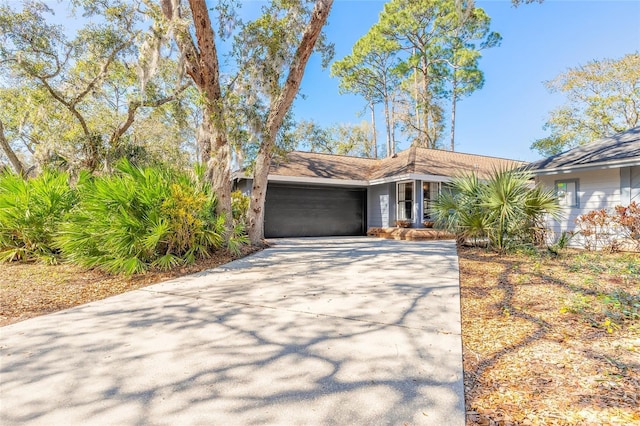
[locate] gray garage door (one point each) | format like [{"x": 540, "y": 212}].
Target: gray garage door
[{"x": 312, "y": 211}]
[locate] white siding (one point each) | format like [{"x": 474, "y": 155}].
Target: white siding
[
  {"x": 635, "y": 183},
  {"x": 598, "y": 189}
]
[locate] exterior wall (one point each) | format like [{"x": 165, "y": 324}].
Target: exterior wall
[
  {"x": 597, "y": 189},
  {"x": 381, "y": 205},
  {"x": 418, "y": 204},
  {"x": 630, "y": 185},
  {"x": 243, "y": 185}
]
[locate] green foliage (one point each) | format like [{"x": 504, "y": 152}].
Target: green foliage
[
  {"x": 30, "y": 214},
  {"x": 239, "y": 206},
  {"x": 340, "y": 139},
  {"x": 562, "y": 243},
  {"x": 140, "y": 218},
  {"x": 505, "y": 210},
  {"x": 93, "y": 95},
  {"x": 608, "y": 311},
  {"x": 607, "y": 298},
  {"x": 602, "y": 99},
  {"x": 433, "y": 47}
]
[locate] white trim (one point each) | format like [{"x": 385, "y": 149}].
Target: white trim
[
  {"x": 317, "y": 181},
  {"x": 353, "y": 182},
  {"x": 431, "y": 178},
  {"x": 396, "y": 178},
  {"x": 588, "y": 167},
  {"x": 412, "y": 201},
  {"x": 410, "y": 176}
]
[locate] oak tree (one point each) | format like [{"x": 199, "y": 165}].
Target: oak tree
[{"x": 602, "y": 99}]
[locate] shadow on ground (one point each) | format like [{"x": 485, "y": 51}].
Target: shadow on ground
[{"x": 322, "y": 331}]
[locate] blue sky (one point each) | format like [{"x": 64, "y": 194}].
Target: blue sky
[
  {"x": 507, "y": 115},
  {"x": 539, "y": 42}
]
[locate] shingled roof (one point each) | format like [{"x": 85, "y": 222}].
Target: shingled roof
[
  {"x": 420, "y": 161},
  {"x": 618, "y": 150},
  {"x": 312, "y": 164}
]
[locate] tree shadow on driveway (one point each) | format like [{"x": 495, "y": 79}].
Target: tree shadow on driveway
[{"x": 318, "y": 331}]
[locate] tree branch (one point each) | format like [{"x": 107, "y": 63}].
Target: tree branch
[
  {"x": 185, "y": 43},
  {"x": 13, "y": 158},
  {"x": 103, "y": 70},
  {"x": 133, "y": 108},
  {"x": 280, "y": 106},
  {"x": 71, "y": 107}
]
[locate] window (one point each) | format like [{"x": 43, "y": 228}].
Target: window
[
  {"x": 430, "y": 191},
  {"x": 567, "y": 192},
  {"x": 405, "y": 201}
]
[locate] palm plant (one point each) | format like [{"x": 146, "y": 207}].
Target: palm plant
[
  {"x": 30, "y": 214},
  {"x": 506, "y": 209},
  {"x": 140, "y": 218}
]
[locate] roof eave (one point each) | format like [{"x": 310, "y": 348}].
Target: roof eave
[
  {"x": 317, "y": 180},
  {"x": 611, "y": 164}
]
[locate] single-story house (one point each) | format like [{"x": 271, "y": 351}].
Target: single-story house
[
  {"x": 312, "y": 194},
  {"x": 602, "y": 174}
]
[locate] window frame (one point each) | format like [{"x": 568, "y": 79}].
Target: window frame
[
  {"x": 403, "y": 202},
  {"x": 576, "y": 198},
  {"x": 427, "y": 201}
]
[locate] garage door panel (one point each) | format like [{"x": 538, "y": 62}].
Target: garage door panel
[{"x": 292, "y": 211}]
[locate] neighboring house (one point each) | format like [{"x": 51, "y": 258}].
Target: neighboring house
[
  {"x": 599, "y": 175},
  {"x": 312, "y": 194}
]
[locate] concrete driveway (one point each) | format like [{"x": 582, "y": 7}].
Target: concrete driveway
[{"x": 312, "y": 331}]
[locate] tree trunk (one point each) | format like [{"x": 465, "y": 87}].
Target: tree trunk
[
  {"x": 258, "y": 195},
  {"x": 417, "y": 95},
  {"x": 453, "y": 110},
  {"x": 393, "y": 124},
  {"x": 425, "y": 103},
  {"x": 201, "y": 64},
  {"x": 216, "y": 158},
  {"x": 277, "y": 111},
  {"x": 11, "y": 155},
  {"x": 374, "y": 133},
  {"x": 387, "y": 120}
]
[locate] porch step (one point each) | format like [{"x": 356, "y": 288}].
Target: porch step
[{"x": 411, "y": 234}]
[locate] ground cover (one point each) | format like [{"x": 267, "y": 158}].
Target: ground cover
[
  {"x": 546, "y": 339},
  {"x": 31, "y": 289},
  {"x": 551, "y": 339}
]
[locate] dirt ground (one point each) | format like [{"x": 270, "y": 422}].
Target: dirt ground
[{"x": 547, "y": 340}]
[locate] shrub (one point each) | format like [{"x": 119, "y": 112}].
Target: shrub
[
  {"x": 505, "y": 210},
  {"x": 140, "y": 218},
  {"x": 629, "y": 220},
  {"x": 30, "y": 214},
  {"x": 239, "y": 206},
  {"x": 610, "y": 231}
]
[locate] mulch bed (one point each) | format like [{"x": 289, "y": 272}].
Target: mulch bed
[
  {"x": 537, "y": 348},
  {"x": 31, "y": 289}
]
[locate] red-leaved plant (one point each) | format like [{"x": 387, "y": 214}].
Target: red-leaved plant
[
  {"x": 629, "y": 219},
  {"x": 602, "y": 230}
]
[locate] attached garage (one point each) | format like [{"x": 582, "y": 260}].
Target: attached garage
[{"x": 314, "y": 211}]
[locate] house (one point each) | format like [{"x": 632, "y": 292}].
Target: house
[
  {"x": 599, "y": 175},
  {"x": 312, "y": 194}
]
